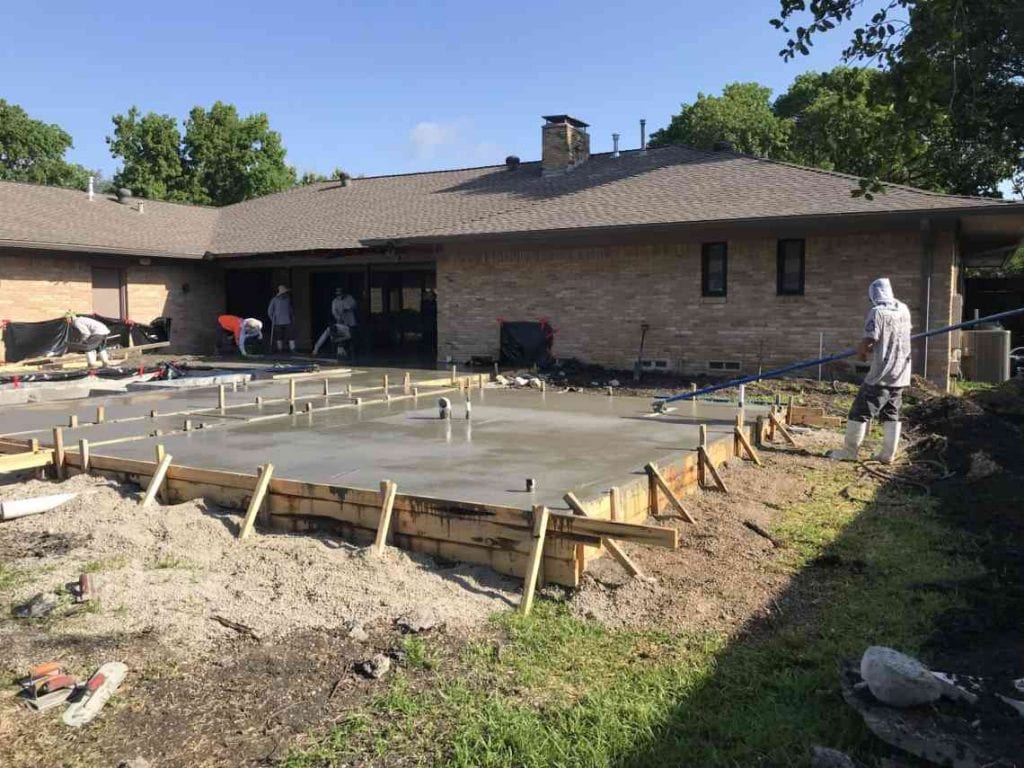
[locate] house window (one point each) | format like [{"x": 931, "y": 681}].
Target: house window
[
  {"x": 791, "y": 268},
  {"x": 713, "y": 258}
]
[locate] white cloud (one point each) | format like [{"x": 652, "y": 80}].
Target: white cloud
[{"x": 427, "y": 137}]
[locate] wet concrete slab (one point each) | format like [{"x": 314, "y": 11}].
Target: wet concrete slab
[{"x": 564, "y": 441}]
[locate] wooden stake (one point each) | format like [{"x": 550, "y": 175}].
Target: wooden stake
[
  {"x": 663, "y": 486},
  {"x": 388, "y": 491},
  {"x": 259, "y": 401},
  {"x": 58, "y": 451},
  {"x": 221, "y": 397},
  {"x": 384, "y": 383},
  {"x": 160, "y": 452},
  {"x": 187, "y": 425},
  {"x": 291, "y": 390},
  {"x": 83, "y": 451},
  {"x": 782, "y": 428},
  {"x": 309, "y": 407},
  {"x": 407, "y": 383},
  {"x": 157, "y": 480},
  {"x": 615, "y": 499},
  {"x": 73, "y": 420},
  {"x": 789, "y": 410},
  {"x": 540, "y": 527},
  {"x": 455, "y": 375},
  {"x": 702, "y": 442},
  {"x": 609, "y": 544},
  {"x": 153, "y": 414},
  {"x": 709, "y": 467},
  {"x": 101, "y": 414},
  {"x": 327, "y": 387},
  {"x": 747, "y": 446},
  {"x": 262, "y": 482}
]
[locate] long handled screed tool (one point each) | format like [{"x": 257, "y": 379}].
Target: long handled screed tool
[
  {"x": 659, "y": 403},
  {"x": 638, "y": 367}
]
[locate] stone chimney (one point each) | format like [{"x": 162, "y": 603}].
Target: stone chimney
[{"x": 565, "y": 144}]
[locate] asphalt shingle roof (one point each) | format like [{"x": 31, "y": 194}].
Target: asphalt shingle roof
[{"x": 662, "y": 186}]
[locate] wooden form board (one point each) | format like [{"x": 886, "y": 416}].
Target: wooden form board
[
  {"x": 500, "y": 537},
  {"x": 806, "y": 416},
  {"x": 13, "y": 445}
]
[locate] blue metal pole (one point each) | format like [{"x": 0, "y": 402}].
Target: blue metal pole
[{"x": 776, "y": 372}]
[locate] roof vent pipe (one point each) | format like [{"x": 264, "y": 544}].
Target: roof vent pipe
[
  {"x": 511, "y": 162},
  {"x": 141, "y": 207},
  {"x": 615, "y": 145},
  {"x": 643, "y": 135},
  {"x": 92, "y": 181}
]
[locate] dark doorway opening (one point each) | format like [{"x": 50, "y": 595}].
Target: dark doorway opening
[{"x": 396, "y": 312}]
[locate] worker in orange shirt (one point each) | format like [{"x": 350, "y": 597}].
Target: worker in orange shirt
[{"x": 242, "y": 329}]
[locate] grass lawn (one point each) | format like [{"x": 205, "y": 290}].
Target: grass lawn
[{"x": 554, "y": 690}]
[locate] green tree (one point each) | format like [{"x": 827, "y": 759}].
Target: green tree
[
  {"x": 957, "y": 69},
  {"x": 31, "y": 150},
  {"x": 149, "y": 147},
  {"x": 742, "y": 116},
  {"x": 312, "y": 177},
  {"x": 848, "y": 120},
  {"x": 228, "y": 158}
]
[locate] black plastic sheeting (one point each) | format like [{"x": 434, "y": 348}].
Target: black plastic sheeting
[
  {"x": 527, "y": 343},
  {"x": 53, "y": 338}
]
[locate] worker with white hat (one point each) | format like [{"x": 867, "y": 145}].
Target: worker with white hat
[
  {"x": 887, "y": 342},
  {"x": 92, "y": 339}
]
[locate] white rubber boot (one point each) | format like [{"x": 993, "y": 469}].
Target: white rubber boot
[
  {"x": 104, "y": 358},
  {"x": 890, "y": 442},
  {"x": 90, "y": 358},
  {"x": 855, "y": 432},
  {"x": 291, "y": 346}
]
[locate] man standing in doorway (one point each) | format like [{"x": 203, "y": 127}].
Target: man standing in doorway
[
  {"x": 887, "y": 341},
  {"x": 343, "y": 308},
  {"x": 282, "y": 318}
]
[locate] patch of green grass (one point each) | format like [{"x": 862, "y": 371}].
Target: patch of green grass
[
  {"x": 106, "y": 564},
  {"x": 418, "y": 653},
  {"x": 552, "y": 690},
  {"x": 170, "y": 561},
  {"x": 10, "y": 577},
  {"x": 966, "y": 386}
]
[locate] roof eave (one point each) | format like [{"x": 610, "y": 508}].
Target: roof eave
[{"x": 101, "y": 249}]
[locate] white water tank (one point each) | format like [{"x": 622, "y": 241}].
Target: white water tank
[{"x": 986, "y": 355}]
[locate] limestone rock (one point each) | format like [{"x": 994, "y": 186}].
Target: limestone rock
[
  {"x": 374, "y": 668},
  {"x": 357, "y": 633},
  {"x": 823, "y": 757},
  {"x": 897, "y": 679},
  {"x": 417, "y": 621}
]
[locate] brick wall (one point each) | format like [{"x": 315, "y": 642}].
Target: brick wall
[
  {"x": 41, "y": 286},
  {"x": 596, "y": 298}
]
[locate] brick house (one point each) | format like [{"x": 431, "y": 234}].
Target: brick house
[{"x": 733, "y": 262}]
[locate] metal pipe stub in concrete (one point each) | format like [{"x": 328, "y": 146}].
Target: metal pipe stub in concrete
[{"x": 444, "y": 408}]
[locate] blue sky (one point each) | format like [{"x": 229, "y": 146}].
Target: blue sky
[{"x": 388, "y": 87}]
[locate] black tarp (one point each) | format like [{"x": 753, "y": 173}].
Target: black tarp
[
  {"x": 526, "y": 343},
  {"x": 53, "y": 338}
]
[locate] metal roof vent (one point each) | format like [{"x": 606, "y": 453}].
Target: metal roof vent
[
  {"x": 123, "y": 194},
  {"x": 722, "y": 145},
  {"x": 511, "y": 162}
]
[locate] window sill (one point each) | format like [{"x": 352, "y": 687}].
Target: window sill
[{"x": 714, "y": 299}]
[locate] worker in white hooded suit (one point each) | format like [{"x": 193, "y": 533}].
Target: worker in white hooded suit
[{"x": 887, "y": 342}]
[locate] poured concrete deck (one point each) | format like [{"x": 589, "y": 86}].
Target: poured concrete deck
[{"x": 583, "y": 443}]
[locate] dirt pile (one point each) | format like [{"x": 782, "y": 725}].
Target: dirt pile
[{"x": 167, "y": 571}]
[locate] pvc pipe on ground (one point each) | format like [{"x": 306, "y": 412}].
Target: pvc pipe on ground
[{"x": 10, "y": 510}]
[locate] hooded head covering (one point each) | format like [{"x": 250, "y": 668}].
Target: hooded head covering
[
  {"x": 282, "y": 289},
  {"x": 880, "y": 292}
]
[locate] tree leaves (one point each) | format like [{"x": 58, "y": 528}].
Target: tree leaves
[{"x": 33, "y": 151}]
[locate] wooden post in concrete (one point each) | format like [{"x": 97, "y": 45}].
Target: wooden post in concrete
[
  {"x": 327, "y": 387},
  {"x": 455, "y": 374},
  {"x": 702, "y": 442},
  {"x": 539, "y": 531},
  {"x": 101, "y": 414},
  {"x": 388, "y": 491},
  {"x": 58, "y": 451},
  {"x": 615, "y": 501},
  {"x": 163, "y": 464},
  {"x": 384, "y": 383},
  {"x": 83, "y": 451},
  {"x": 291, "y": 391},
  {"x": 407, "y": 383},
  {"x": 153, "y": 413},
  {"x": 73, "y": 420},
  {"x": 221, "y": 397}
]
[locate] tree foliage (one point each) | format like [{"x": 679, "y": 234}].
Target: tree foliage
[
  {"x": 312, "y": 177},
  {"x": 218, "y": 159},
  {"x": 957, "y": 72},
  {"x": 31, "y": 150},
  {"x": 741, "y": 116}
]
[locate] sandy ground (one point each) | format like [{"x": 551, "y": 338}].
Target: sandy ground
[{"x": 167, "y": 570}]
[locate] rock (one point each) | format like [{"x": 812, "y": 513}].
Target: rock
[
  {"x": 897, "y": 679},
  {"x": 420, "y": 620},
  {"x": 374, "y": 668},
  {"x": 823, "y": 757},
  {"x": 135, "y": 762},
  {"x": 982, "y": 466},
  {"x": 503, "y": 380},
  {"x": 952, "y": 691},
  {"x": 614, "y": 383},
  {"x": 40, "y": 606},
  {"x": 357, "y": 633}
]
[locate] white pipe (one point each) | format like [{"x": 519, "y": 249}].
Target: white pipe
[{"x": 9, "y": 510}]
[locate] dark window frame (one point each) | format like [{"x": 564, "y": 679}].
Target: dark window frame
[
  {"x": 705, "y": 257},
  {"x": 780, "y": 261}
]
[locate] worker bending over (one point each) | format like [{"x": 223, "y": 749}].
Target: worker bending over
[
  {"x": 242, "y": 329},
  {"x": 93, "y": 339},
  {"x": 339, "y": 332},
  {"x": 887, "y": 341}
]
